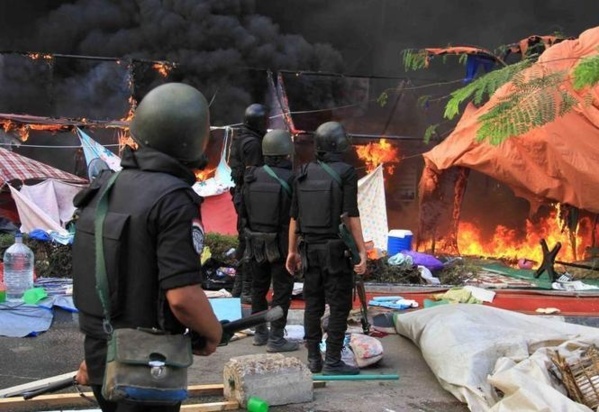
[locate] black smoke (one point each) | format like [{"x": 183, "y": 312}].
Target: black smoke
[{"x": 223, "y": 47}]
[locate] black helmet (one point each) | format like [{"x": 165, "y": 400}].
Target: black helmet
[
  {"x": 331, "y": 137},
  {"x": 256, "y": 117},
  {"x": 277, "y": 143},
  {"x": 174, "y": 119}
]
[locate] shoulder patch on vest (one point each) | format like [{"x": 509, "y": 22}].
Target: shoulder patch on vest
[{"x": 197, "y": 235}]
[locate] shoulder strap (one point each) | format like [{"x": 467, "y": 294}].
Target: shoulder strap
[
  {"x": 101, "y": 278},
  {"x": 281, "y": 181},
  {"x": 331, "y": 172}
]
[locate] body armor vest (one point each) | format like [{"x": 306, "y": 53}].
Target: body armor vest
[
  {"x": 236, "y": 162},
  {"x": 266, "y": 201},
  {"x": 320, "y": 199},
  {"x": 128, "y": 248}
]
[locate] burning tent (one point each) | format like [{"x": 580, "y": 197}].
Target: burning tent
[{"x": 553, "y": 163}]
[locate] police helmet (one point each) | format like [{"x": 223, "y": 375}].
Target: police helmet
[
  {"x": 277, "y": 142},
  {"x": 174, "y": 118},
  {"x": 256, "y": 117},
  {"x": 331, "y": 137}
]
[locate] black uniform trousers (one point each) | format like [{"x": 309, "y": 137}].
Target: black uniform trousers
[
  {"x": 320, "y": 288},
  {"x": 282, "y": 285}
]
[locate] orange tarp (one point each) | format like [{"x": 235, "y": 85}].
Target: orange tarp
[{"x": 558, "y": 161}]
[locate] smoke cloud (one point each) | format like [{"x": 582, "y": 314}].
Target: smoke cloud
[{"x": 220, "y": 46}]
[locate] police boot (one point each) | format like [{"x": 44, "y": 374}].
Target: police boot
[
  {"x": 278, "y": 343},
  {"x": 236, "y": 291},
  {"x": 260, "y": 335},
  {"x": 314, "y": 357},
  {"x": 333, "y": 365},
  {"x": 246, "y": 288}
]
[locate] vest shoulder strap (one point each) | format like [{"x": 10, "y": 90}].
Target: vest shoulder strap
[
  {"x": 283, "y": 183},
  {"x": 331, "y": 172}
]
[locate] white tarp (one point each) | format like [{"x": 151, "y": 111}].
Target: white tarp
[
  {"x": 47, "y": 205},
  {"x": 222, "y": 181},
  {"x": 474, "y": 350},
  {"x": 373, "y": 207}
]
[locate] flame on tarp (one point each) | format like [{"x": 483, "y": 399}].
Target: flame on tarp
[
  {"x": 202, "y": 175},
  {"x": 509, "y": 244},
  {"x": 22, "y": 129},
  {"x": 375, "y": 153}
]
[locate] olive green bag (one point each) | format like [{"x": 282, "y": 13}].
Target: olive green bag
[{"x": 146, "y": 366}]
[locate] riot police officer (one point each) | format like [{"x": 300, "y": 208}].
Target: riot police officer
[
  {"x": 265, "y": 207},
  {"x": 324, "y": 190},
  {"x": 246, "y": 151},
  {"x": 153, "y": 235}
]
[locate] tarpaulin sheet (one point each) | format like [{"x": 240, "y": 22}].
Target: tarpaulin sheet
[
  {"x": 373, "y": 208},
  {"x": 16, "y": 167},
  {"x": 494, "y": 359},
  {"x": 218, "y": 214},
  {"x": 557, "y": 161}
]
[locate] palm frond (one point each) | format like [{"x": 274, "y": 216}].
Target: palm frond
[
  {"x": 415, "y": 59},
  {"x": 586, "y": 73},
  {"x": 534, "y": 103},
  {"x": 482, "y": 87}
]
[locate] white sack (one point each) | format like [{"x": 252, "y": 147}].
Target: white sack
[{"x": 462, "y": 343}]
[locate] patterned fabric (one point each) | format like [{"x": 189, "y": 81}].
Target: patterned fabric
[
  {"x": 93, "y": 150},
  {"x": 16, "y": 167},
  {"x": 373, "y": 208}
]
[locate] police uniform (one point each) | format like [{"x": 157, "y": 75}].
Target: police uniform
[
  {"x": 265, "y": 207},
  {"x": 318, "y": 202},
  {"x": 246, "y": 151},
  {"x": 153, "y": 239}
]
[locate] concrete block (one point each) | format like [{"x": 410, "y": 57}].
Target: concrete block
[{"x": 278, "y": 379}]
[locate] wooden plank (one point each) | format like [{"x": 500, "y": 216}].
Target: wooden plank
[
  {"x": 31, "y": 386},
  {"x": 211, "y": 406},
  {"x": 75, "y": 399}
]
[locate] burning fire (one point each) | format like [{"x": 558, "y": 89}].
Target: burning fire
[
  {"x": 506, "y": 243},
  {"x": 163, "y": 68},
  {"x": 202, "y": 175},
  {"x": 23, "y": 129},
  {"x": 374, "y": 154}
]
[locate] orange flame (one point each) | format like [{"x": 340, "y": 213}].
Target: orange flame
[
  {"x": 37, "y": 56},
  {"x": 375, "y": 154},
  {"x": 23, "y": 129},
  {"x": 202, "y": 175},
  {"x": 506, "y": 243},
  {"x": 163, "y": 68}
]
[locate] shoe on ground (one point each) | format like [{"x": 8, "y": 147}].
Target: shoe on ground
[
  {"x": 339, "y": 368},
  {"x": 282, "y": 345}
]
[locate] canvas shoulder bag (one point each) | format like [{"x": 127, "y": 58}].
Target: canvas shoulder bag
[{"x": 146, "y": 366}]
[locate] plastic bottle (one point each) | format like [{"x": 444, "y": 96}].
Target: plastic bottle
[{"x": 18, "y": 269}]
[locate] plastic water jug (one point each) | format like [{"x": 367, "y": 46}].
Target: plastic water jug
[{"x": 18, "y": 269}]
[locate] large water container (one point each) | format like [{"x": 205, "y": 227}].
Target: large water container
[
  {"x": 398, "y": 240},
  {"x": 18, "y": 269}
]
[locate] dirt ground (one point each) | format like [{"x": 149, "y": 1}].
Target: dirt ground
[{"x": 59, "y": 351}]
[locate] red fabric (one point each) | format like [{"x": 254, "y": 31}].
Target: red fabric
[
  {"x": 16, "y": 167},
  {"x": 218, "y": 214}
]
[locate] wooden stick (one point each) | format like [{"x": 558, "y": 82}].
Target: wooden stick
[{"x": 73, "y": 399}]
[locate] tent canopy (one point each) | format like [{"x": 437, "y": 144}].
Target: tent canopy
[
  {"x": 556, "y": 162},
  {"x": 16, "y": 167}
]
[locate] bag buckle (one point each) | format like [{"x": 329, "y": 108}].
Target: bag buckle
[{"x": 157, "y": 369}]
